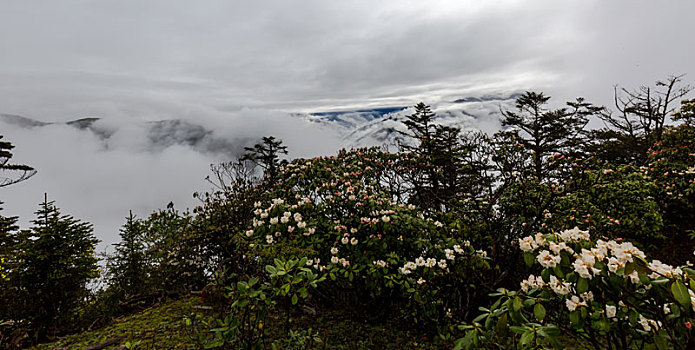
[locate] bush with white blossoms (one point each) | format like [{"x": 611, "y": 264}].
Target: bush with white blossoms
[
  {"x": 335, "y": 212},
  {"x": 605, "y": 293}
]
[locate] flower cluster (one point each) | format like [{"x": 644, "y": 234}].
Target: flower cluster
[
  {"x": 450, "y": 255},
  {"x": 581, "y": 272}
]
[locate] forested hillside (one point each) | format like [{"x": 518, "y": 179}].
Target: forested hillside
[{"x": 546, "y": 234}]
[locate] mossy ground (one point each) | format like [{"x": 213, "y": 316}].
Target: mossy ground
[{"x": 164, "y": 327}]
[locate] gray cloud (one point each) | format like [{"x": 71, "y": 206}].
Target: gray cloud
[{"x": 239, "y": 67}]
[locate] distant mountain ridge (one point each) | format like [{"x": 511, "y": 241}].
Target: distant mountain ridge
[{"x": 356, "y": 128}]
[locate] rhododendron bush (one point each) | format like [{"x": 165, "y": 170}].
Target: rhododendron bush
[
  {"x": 601, "y": 292},
  {"x": 671, "y": 168},
  {"x": 335, "y": 212}
]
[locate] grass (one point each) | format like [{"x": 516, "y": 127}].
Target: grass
[
  {"x": 164, "y": 327},
  {"x": 159, "y": 327}
]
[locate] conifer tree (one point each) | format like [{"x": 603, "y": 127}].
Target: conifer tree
[
  {"x": 545, "y": 132},
  {"x": 22, "y": 171},
  {"x": 57, "y": 262},
  {"x": 10, "y": 237},
  {"x": 437, "y": 179},
  {"x": 127, "y": 267},
  {"x": 266, "y": 155}
]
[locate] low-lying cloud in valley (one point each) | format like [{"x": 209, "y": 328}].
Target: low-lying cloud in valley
[
  {"x": 99, "y": 173},
  {"x": 177, "y": 86}
]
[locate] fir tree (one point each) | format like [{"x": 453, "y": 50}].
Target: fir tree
[
  {"x": 22, "y": 171},
  {"x": 57, "y": 262},
  {"x": 545, "y": 132},
  {"x": 127, "y": 267},
  {"x": 266, "y": 155},
  {"x": 10, "y": 237},
  {"x": 437, "y": 179}
]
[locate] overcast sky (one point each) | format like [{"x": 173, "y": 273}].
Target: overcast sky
[{"x": 229, "y": 60}]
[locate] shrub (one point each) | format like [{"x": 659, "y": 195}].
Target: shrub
[
  {"x": 376, "y": 253},
  {"x": 603, "y": 293}
]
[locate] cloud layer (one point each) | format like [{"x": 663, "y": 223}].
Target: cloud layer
[{"x": 240, "y": 67}]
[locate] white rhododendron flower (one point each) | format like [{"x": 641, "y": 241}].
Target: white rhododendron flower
[
  {"x": 584, "y": 265},
  {"x": 660, "y": 269},
  {"x": 558, "y": 247},
  {"x": 421, "y": 281},
  {"x": 420, "y": 261},
  {"x": 380, "y": 263},
  {"x": 540, "y": 240},
  {"x": 527, "y": 244},
  {"x": 353, "y": 241},
  {"x": 558, "y": 286},
  {"x": 442, "y": 264},
  {"x": 548, "y": 260},
  {"x": 284, "y": 219},
  {"x": 573, "y": 303},
  {"x": 269, "y": 239},
  {"x": 301, "y": 224},
  {"x": 574, "y": 235},
  {"x": 588, "y": 296},
  {"x": 249, "y": 233},
  {"x": 449, "y": 254},
  {"x": 611, "y": 311},
  {"x": 648, "y": 324},
  {"x": 273, "y": 220},
  {"x": 532, "y": 282},
  {"x": 345, "y": 240},
  {"x": 334, "y": 250},
  {"x": 334, "y": 259}
]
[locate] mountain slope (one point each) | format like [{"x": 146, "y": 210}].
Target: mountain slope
[{"x": 357, "y": 128}]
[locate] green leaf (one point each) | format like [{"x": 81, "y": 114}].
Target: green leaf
[
  {"x": 528, "y": 259},
  {"x": 526, "y": 338},
  {"x": 519, "y": 329},
  {"x": 550, "y": 331},
  {"x": 660, "y": 341},
  {"x": 517, "y": 303},
  {"x": 629, "y": 268},
  {"x": 576, "y": 318},
  {"x": 582, "y": 285},
  {"x": 539, "y": 311},
  {"x": 545, "y": 274},
  {"x": 680, "y": 292},
  {"x": 295, "y": 299}
]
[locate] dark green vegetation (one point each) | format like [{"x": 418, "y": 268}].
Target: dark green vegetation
[{"x": 376, "y": 249}]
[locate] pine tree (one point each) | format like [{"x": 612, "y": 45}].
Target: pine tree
[
  {"x": 10, "y": 237},
  {"x": 266, "y": 155},
  {"x": 23, "y": 171},
  {"x": 127, "y": 267},
  {"x": 545, "y": 132},
  {"x": 57, "y": 262},
  {"x": 437, "y": 179}
]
